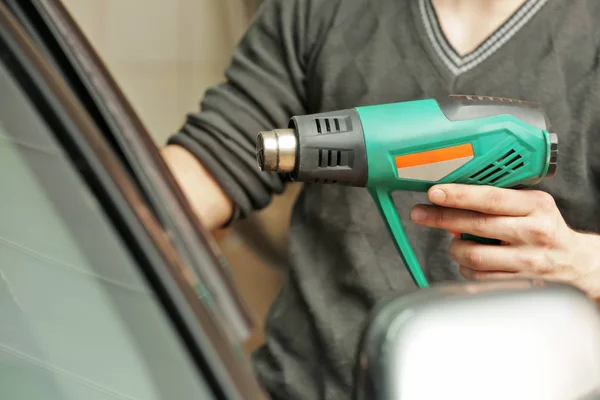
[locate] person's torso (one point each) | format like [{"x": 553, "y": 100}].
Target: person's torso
[{"x": 381, "y": 51}]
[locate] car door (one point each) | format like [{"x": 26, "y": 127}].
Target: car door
[
  {"x": 49, "y": 24},
  {"x": 101, "y": 296}
]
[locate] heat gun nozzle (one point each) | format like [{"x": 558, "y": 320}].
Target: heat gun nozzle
[{"x": 276, "y": 150}]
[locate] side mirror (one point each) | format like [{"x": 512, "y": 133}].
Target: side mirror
[{"x": 521, "y": 339}]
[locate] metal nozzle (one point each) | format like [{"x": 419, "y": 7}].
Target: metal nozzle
[
  {"x": 276, "y": 150},
  {"x": 553, "y": 157}
]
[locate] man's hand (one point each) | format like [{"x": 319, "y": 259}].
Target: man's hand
[{"x": 536, "y": 240}]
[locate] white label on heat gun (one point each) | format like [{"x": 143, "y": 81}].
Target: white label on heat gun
[
  {"x": 433, "y": 165},
  {"x": 432, "y": 172}
]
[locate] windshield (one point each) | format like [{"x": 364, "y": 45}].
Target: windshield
[{"x": 78, "y": 320}]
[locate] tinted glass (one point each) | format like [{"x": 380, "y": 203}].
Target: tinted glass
[{"x": 78, "y": 320}]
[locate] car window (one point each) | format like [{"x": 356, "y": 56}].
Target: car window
[
  {"x": 78, "y": 319},
  {"x": 109, "y": 146},
  {"x": 65, "y": 46}
]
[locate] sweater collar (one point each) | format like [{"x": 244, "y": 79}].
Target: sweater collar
[{"x": 458, "y": 64}]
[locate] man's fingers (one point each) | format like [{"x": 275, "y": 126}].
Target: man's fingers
[
  {"x": 480, "y": 260},
  {"x": 484, "y": 258},
  {"x": 464, "y": 221},
  {"x": 489, "y": 199}
]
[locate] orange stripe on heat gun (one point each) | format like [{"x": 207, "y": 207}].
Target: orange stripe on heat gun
[{"x": 434, "y": 156}]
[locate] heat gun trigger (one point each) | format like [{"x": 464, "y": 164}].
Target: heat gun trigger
[{"x": 478, "y": 239}]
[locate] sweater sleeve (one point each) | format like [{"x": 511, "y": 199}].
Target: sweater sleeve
[{"x": 264, "y": 87}]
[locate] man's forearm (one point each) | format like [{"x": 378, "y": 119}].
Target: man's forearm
[
  {"x": 209, "y": 201},
  {"x": 215, "y": 158}
]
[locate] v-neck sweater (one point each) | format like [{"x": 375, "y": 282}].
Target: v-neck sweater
[
  {"x": 306, "y": 56},
  {"x": 454, "y": 64}
]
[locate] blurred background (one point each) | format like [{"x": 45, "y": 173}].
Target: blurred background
[{"x": 164, "y": 54}]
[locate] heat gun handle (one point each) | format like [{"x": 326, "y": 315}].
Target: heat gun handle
[
  {"x": 482, "y": 240},
  {"x": 385, "y": 203}
]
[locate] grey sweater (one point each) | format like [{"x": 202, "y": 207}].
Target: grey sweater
[{"x": 305, "y": 56}]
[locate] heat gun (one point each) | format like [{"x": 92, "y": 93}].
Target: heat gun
[{"x": 413, "y": 145}]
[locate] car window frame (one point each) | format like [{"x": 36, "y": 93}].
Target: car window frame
[
  {"x": 53, "y": 28},
  {"x": 168, "y": 275}
]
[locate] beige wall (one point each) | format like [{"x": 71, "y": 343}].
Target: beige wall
[{"x": 164, "y": 54}]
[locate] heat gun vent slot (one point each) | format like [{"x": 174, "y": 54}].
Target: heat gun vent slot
[
  {"x": 501, "y": 168},
  {"x": 324, "y": 181},
  {"x": 332, "y": 125},
  {"x": 333, "y": 158}
]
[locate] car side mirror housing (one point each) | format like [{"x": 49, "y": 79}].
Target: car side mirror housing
[{"x": 517, "y": 339}]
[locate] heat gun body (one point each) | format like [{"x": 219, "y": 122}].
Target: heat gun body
[{"x": 411, "y": 146}]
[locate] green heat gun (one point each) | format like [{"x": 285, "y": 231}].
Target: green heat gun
[{"x": 413, "y": 145}]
